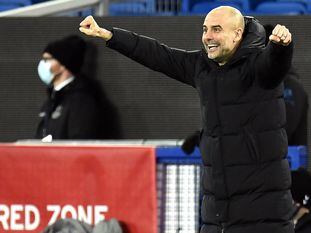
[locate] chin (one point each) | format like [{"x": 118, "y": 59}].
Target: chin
[{"x": 211, "y": 57}]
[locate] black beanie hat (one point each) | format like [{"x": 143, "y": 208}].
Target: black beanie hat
[{"x": 69, "y": 51}]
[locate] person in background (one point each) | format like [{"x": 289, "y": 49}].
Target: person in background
[
  {"x": 297, "y": 104},
  {"x": 301, "y": 191},
  {"x": 69, "y": 225},
  {"x": 245, "y": 174},
  {"x": 74, "y": 108}
]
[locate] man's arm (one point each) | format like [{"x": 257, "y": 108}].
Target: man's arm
[
  {"x": 275, "y": 61},
  {"x": 175, "y": 63}
]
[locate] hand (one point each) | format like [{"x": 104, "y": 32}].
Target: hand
[
  {"x": 281, "y": 35},
  {"x": 301, "y": 212},
  {"x": 89, "y": 27}
]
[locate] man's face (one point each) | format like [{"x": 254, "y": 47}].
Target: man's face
[
  {"x": 55, "y": 65},
  {"x": 219, "y": 36}
]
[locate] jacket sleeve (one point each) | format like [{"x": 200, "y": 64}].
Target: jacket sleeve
[
  {"x": 175, "y": 63},
  {"x": 272, "y": 64}
]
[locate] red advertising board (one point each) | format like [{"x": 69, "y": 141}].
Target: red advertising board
[{"x": 40, "y": 184}]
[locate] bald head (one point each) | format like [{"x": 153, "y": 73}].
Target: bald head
[
  {"x": 223, "y": 28},
  {"x": 230, "y": 14}
]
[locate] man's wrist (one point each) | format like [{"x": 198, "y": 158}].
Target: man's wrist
[{"x": 105, "y": 34}]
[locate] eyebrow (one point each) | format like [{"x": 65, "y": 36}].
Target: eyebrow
[
  {"x": 214, "y": 26},
  {"x": 47, "y": 58}
]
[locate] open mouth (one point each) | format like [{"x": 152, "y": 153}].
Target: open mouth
[{"x": 212, "y": 47}]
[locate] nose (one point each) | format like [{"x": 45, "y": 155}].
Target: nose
[{"x": 208, "y": 35}]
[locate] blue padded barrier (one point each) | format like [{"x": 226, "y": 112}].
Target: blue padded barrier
[
  {"x": 297, "y": 156},
  {"x": 175, "y": 155}
]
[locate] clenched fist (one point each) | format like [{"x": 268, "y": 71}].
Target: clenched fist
[
  {"x": 89, "y": 27},
  {"x": 281, "y": 35}
]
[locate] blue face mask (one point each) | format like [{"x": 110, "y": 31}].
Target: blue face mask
[{"x": 44, "y": 71}]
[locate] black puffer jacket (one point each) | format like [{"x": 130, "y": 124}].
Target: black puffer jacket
[{"x": 246, "y": 177}]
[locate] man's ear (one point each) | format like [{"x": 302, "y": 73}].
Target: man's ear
[
  {"x": 238, "y": 34},
  {"x": 62, "y": 68}
]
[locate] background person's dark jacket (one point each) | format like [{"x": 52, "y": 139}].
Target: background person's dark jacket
[
  {"x": 75, "y": 112},
  {"x": 246, "y": 176},
  {"x": 296, "y": 101}
]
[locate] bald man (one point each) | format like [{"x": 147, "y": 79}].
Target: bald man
[{"x": 245, "y": 177}]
